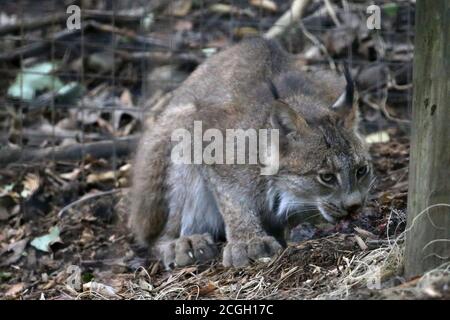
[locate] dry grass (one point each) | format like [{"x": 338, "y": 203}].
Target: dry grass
[
  {"x": 303, "y": 266},
  {"x": 328, "y": 268},
  {"x": 335, "y": 267}
]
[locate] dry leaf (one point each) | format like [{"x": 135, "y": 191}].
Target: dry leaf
[
  {"x": 222, "y": 8},
  {"x": 17, "y": 248},
  {"x": 264, "y": 260},
  {"x": 125, "y": 169},
  {"x": 100, "y": 288},
  {"x": 378, "y": 137},
  {"x": 208, "y": 289},
  {"x": 265, "y": 4},
  {"x": 179, "y": 8},
  {"x": 100, "y": 177},
  {"x": 87, "y": 236},
  {"x": 125, "y": 98},
  {"x": 360, "y": 242},
  {"x": 71, "y": 175},
  {"x": 30, "y": 185},
  {"x": 15, "y": 290},
  {"x": 144, "y": 285},
  {"x": 49, "y": 285},
  {"x": 432, "y": 292},
  {"x": 245, "y": 32},
  {"x": 365, "y": 233}
]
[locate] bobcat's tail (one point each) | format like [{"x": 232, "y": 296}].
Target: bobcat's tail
[{"x": 149, "y": 211}]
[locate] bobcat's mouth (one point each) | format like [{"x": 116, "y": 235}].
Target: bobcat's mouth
[
  {"x": 332, "y": 213},
  {"x": 327, "y": 217}
]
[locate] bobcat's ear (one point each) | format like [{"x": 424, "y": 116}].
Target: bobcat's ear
[
  {"x": 287, "y": 121},
  {"x": 346, "y": 105}
]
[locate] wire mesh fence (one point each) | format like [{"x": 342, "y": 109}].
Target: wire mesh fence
[
  {"x": 81, "y": 79},
  {"x": 81, "y": 72}
]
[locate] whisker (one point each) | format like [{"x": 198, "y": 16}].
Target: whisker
[
  {"x": 303, "y": 207},
  {"x": 372, "y": 184},
  {"x": 304, "y": 203},
  {"x": 290, "y": 214},
  {"x": 313, "y": 216}
]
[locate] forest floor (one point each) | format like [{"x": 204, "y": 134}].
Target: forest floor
[
  {"x": 356, "y": 259},
  {"x": 93, "y": 237},
  {"x": 63, "y": 211}
]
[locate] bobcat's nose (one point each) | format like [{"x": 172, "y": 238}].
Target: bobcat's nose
[
  {"x": 353, "y": 209},
  {"x": 353, "y": 203}
]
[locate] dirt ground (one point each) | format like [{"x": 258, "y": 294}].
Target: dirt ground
[{"x": 63, "y": 211}]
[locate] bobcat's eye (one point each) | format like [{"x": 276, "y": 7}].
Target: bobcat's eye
[
  {"x": 362, "y": 171},
  {"x": 327, "y": 178}
]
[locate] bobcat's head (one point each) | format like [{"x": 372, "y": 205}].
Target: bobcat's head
[{"x": 323, "y": 163}]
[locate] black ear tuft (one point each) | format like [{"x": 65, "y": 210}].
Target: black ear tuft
[
  {"x": 273, "y": 89},
  {"x": 350, "y": 86},
  {"x": 346, "y": 100},
  {"x": 346, "y": 106}
]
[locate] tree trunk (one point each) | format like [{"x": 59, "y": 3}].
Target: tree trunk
[{"x": 427, "y": 238}]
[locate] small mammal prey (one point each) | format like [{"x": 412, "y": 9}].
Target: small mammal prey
[{"x": 181, "y": 210}]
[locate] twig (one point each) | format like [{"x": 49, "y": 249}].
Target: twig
[
  {"x": 287, "y": 19},
  {"x": 33, "y": 24},
  {"x": 103, "y": 149},
  {"x": 38, "y": 47},
  {"x": 332, "y": 12},
  {"x": 129, "y": 34},
  {"x": 320, "y": 45},
  {"x": 383, "y": 108},
  {"x": 161, "y": 58},
  {"x": 120, "y": 17},
  {"x": 43, "y": 46},
  {"x": 85, "y": 198}
]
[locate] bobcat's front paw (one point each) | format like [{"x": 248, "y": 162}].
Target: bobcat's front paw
[
  {"x": 238, "y": 254},
  {"x": 188, "y": 250}
]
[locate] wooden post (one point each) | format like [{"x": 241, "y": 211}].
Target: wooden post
[{"x": 427, "y": 241}]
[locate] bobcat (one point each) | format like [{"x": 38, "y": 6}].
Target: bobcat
[{"x": 181, "y": 211}]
